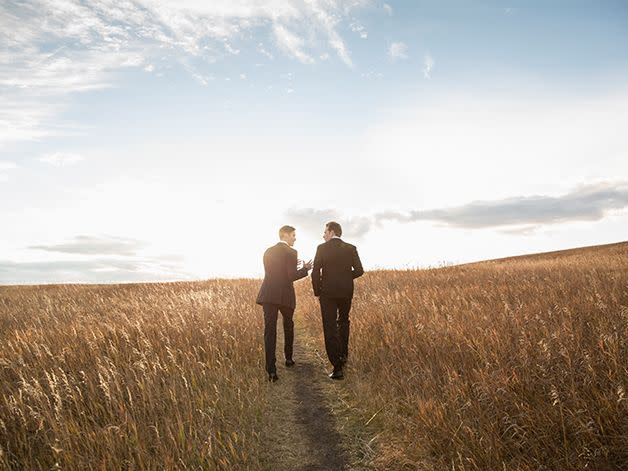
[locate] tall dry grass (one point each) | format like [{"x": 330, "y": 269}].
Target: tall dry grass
[
  {"x": 514, "y": 364},
  {"x": 131, "y": 376}
]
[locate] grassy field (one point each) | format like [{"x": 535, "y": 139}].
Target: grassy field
[
  {"x": 130, "y": 376},
  {"x": 517, "y": 363}
]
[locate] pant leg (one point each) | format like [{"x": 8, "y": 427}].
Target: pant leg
[
  {"x": 270, "y": 335},
  {"x": 288, "y": 331},
  {"x": 344, "y": 306},
  {"x": 329, "y": 310}
]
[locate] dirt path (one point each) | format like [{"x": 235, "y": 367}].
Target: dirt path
[{"x": 304, "y": 422}]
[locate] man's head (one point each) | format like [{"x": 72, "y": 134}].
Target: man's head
[
  {"x": 288, "y": 235},
  {"x": 332, "y": 229}
]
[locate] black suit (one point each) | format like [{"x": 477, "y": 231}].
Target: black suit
[
  {"x": 336, "y": 265},
  {"x": 277, "y": 295}
]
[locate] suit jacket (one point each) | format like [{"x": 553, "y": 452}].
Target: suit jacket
[
  {"x": 280, "y": 270},
  {"x": 336, "y": 265}
]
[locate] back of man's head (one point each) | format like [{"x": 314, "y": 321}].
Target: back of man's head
[
  {"x": 334, "y": 227},
  {"x": 285, "y": 231}
]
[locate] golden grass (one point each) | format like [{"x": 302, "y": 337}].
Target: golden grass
[
  {"x": 518, "y": 363},
  {"x": 512, "y": 364},
  {"x": 141, "y": 376}
]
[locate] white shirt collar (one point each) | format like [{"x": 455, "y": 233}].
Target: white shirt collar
[{"x": 335, "y": 237}]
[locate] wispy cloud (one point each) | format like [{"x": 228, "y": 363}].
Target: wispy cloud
[
  {"x": 95, "y": 245},
  {"x": 100, "y": 270},
  {"x": 94, "y": 259},
  {"x": 60, "y": 159},
  {"x": 93, "y": 40},
  {"x": 585, "y": 203},
  {"x": 24, "y": 117},
  {"x": 428, "y": 65},
  {"x": 359, "y": 29},
  {"x": 262, "y": 50},
  {"x": 230, "y": 49},
  {"x": 519, "y": 215},
  {"x": 291, "y": 44},
  {"x": 398, "y": 51},
  {"x": 388, "y": 9}
]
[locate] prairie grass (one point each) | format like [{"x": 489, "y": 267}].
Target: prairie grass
[
  {"x": 510, "y": 364},
  {"x": 131, "y": 376},
  {"x": 518, "y": 363}
]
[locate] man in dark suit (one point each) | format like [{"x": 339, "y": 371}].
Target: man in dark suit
[
  {"x": 277, "y": 295},
  {"x": 336, "y": 265}
]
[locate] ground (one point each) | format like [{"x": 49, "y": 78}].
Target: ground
[{"x": 308, "y": 423}]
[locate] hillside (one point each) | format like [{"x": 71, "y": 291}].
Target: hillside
[
  {"x": 516, "y": 363},
  {"x": 617, "y": 249}
]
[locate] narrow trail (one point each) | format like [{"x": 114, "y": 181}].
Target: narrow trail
[{"x": 303, "y": 422}]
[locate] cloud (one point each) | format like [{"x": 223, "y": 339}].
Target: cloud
[
  {"x": 520, "y": 215},
  {"x": 262, "y": 50},
  {"x": 388, "y": 9},
  {"x": 359, "y": 29},
  {"x": 60, "y": 159},
  {"x": 22, "y": 117},
  {"x": 428, "y": 65},
  {"x": 585, "y": 203},
  {"x": 51, "y": 49},
  {"x": 313, "y": 221},
  {"x": 95, "y": 245},
  {"x": 94, "y": 259},
  {"x": 101, "y": 270},
  {"x": 231, "y": 50},
  {"x": 291, "y": 44},
  {"x": 520, "y": 231},
  {"x": 398, "y": 51}
]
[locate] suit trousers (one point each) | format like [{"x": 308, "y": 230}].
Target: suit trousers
[
  {"x": 270, "y": 333},
  {"x": 335, "y": 314}
]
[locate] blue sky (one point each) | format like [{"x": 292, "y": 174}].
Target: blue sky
[{"x": 148, "y": 140}]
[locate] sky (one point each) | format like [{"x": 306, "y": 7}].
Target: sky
[{"x": 145, "y": 140}]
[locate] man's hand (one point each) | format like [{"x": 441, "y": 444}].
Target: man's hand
[{"x": 308, "y": 265}]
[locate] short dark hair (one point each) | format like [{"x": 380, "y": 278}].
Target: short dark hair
[
  {"x": 334, "y": 226},
  {"x": 285, "y": 230}
]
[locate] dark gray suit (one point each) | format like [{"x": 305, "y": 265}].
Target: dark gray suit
[{"x": 277, "y": 295}]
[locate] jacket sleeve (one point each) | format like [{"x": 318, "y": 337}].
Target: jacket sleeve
[
  {"x": 316, "y": 273},
  {"x": 357, "y": 264},
  {"x": 291, "y": 268}
]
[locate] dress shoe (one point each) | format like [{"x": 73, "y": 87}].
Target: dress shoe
[
  {"x": 272, "y": 377},
  {"x": 290, "y": 362},
  {"x": 336, "y": 374}
]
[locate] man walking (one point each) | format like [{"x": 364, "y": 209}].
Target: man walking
[
  {"x": 277, "y": 295},
  {"x": 336, "y": 265}
]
